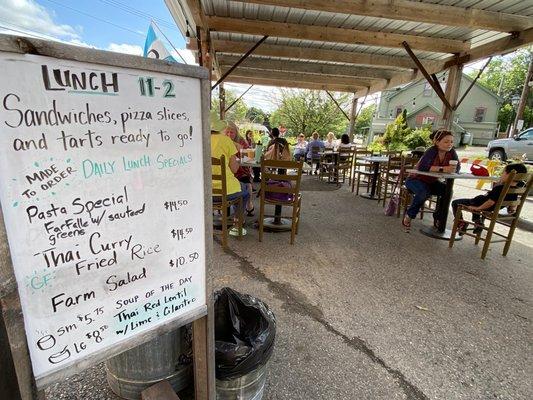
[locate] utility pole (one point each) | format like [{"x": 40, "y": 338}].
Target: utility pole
[{"x": 523, "y": 97}]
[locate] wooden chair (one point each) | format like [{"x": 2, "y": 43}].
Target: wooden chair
[
  {"x": 345, "y": 164},
  {"x": 388, "y": 178},
  {"x": 408, "y": 162},
  {"x": 315, "y": 157},
  {"x": 221, "y": 202},
  {"x": 328, "y": 165},
  {"x": 362, "y": 168},
  {"x": 495, "y": 216},
  {"x": 276, "y": 170}
]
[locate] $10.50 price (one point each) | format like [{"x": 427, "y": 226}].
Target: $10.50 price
[{"x": 182, "y": 260}]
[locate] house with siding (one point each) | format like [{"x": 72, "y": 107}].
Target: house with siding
[{"x": 477, "y": 114}]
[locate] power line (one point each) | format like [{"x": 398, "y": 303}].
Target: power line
[
  {"x": 96, "y": 18},
  {"x": 139, "y": 13}
]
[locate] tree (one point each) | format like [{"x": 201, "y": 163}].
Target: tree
[
  {"x": 306, "y": 111},
  {"x": 396, "y": 132},
  {"x": 254, "y": 114},
  {"x": 505, "y": 76},
  {"x": 237, "y": 112},
  {"x": 364, "y": 119}
]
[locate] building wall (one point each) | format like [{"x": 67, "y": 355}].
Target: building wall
[{"x": 421, "y": 93}]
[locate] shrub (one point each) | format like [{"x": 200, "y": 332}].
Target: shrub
[
  {"x": 418, "y": 137},
  {"x": 396, "y": 132}
]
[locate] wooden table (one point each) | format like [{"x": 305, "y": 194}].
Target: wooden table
[
  {"x": 375, "y": 160},
  {"x": 442, "y": 232},
  {"x": 252, "y": 163}
]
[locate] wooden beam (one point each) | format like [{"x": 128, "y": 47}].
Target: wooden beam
[
  {"x": 239, "y": 61},
  {"x": 456, "y": 105},
  {"x": 292, "y": 84},
  {"x": 452, "y": 91},
  {"x": 237, "y": 99},
  {"x": 351, "y": 126},
  {"x": 308, "y": 67},
  {"x": 308, "y": 53},
  {"x": 300, "y": 77},
  {"x": 504, "y": 45},
  {"x": 332, "y": 34},
  {"x": 337, "y": 104},
  {"x": 413, "y": 11},
  {"x": 197, "y": 13},
  {"x": 432, "y": 79}
]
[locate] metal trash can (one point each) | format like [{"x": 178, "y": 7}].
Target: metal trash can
[
  {"x": 248, "y": 387},
  {"x": 166, "y": 357}
]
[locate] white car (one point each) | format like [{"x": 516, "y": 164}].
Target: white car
[{"x": 502, "y": 149}]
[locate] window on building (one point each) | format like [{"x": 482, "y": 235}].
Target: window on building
[
  {"x": 428, "y": 90},
  {"x": 399, "y": 110},
  {"x": 479, "y": 115},
  {"x": 429, "y": 120}
]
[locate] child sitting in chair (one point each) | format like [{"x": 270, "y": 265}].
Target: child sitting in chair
[{"x": 486, "y": 202}]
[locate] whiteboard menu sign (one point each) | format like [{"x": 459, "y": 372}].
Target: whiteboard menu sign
[{"x": 102, "y": 191}]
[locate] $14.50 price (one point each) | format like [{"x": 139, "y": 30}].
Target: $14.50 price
[{"x": 182, "y": 260}]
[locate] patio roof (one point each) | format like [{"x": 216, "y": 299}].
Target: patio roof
[{"x": 354, "y": 46}]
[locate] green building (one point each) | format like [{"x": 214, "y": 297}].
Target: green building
[{"x": 477, "y": 114}]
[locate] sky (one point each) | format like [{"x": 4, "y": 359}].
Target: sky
[{"x": 115, "y": 25}]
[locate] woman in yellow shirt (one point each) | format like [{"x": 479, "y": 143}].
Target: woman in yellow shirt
[{"x": 223, "y": 145}]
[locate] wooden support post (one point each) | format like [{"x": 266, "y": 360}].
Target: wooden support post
[
  {"x": 11, "y": 315},
  {"x": 523, "y": 97},
  {"x": 455, "y": 74},
  {"x": 200, "y": 350},
  {"x": 222, "y": 100},
  {"x": 351, "y": 127}
]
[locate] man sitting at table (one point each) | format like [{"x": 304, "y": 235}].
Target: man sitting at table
[{"x": 486, "y": 202}]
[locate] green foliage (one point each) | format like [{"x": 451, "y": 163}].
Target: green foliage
[
  {"x": 505, "y": 115},
  {"x": 377, "y": 145},
  {"x": 505, "y": 75},
  {"x": 306, "y": 111},
  {"x": 364, "y": 120},
  {"x": 237, "y": 112},
  {"x": 254, "y": 114},
  {"x": 418, "y": 137},
  {"x": 396, "y": 132}
]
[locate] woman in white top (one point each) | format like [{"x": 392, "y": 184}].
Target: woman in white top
[
  {"x": 330, "y": 141},
  {"x": 299, "y": 147}
]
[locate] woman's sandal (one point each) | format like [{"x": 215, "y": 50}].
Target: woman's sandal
[
  {"x": 250, "y": 213},
  {"x": 406, "y": 223}
]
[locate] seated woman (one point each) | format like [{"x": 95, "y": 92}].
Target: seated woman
[
  {"x": 311, "y": 154},
  {"x": 345, "y": 142},
  {"x": 435, "y": 159},
  {"x": 222, "y": 145},
  {"x": 299, "y": 147},
  {"x": 330, "y": 141},
  {"x": 243, "y": 174}
]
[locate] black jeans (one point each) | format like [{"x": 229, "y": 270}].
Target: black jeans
[{"x": 476, "y": 201}]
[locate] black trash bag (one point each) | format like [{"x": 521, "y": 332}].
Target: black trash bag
[{"x": 245, "y": 330}]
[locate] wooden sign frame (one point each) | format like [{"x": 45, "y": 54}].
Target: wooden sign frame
[{"x": 203, "y": 322}]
